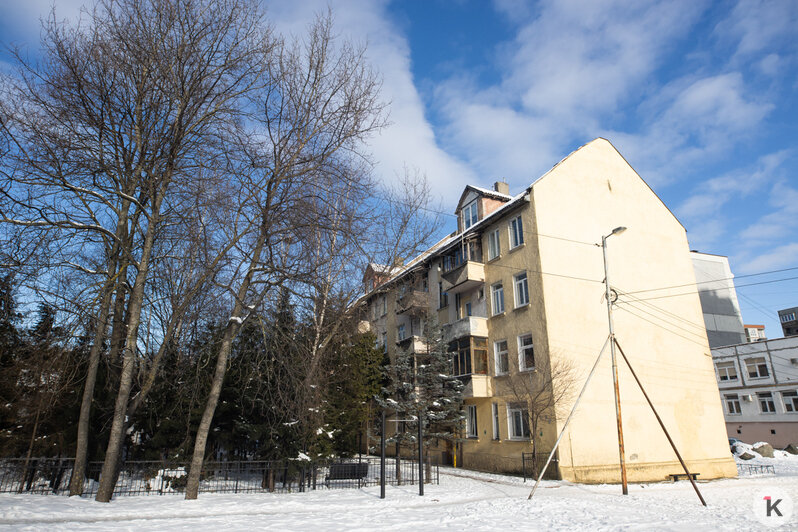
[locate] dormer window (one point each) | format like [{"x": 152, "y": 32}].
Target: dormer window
[{"x": 470, "y": 215}]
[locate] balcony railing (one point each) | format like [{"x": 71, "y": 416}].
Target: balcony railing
[
  {"x": 467, "y": 276},
  {"x": 413, "y": 301},
  {"x": 413, "y": 344},
  {"x": 478, "y": 386},
  {"x": 468, "y": 326}
]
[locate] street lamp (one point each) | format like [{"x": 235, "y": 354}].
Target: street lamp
[{"x": 616, "y": 231}]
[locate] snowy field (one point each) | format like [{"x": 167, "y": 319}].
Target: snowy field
[{"x": 464, "y": 500}]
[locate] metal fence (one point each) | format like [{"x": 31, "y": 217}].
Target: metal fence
[
  {"x": 752, "y": 469},
  {"x": 532, "y": 463},
  {"x": 52, "y": 475}
]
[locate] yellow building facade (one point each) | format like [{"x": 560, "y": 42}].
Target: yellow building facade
[{"x": 519, "y": 292}]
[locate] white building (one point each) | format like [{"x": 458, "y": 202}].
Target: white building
[{"x": 758, "y": 385}]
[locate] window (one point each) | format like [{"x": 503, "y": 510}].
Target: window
[
  {"x": 733, "y": 404},
  {"x": 400, "y": 332},
  {"x": 443, "y": 297},
  {"x": 497, "y": 296},
  {"x": 458, "y": 311},
  {"x": 384, "y": 305},
  {"x": 468, "y": 309},
  {"x": 757, "y": 367},
  {"x": 787, "y": 317},
  {"x": 495, "y": 412},
  {"x": 462, "y": 360},
  {"x": 369, "y": 285},
  {"x": 766, "y": 404},
  {"x": 471, "y": 422},
  {"x": 726, "y": 371},
  {"x": 385, "y": 342},
  {"x": 526, "y": 352},
  {"x": 375, "y": 310},
  {"x": 461, "y": 356},
  {"x": 470, "y": 215},
  {"x": 790, "y": 401},
  {"x": 494, "y": 248},
  {"x": 521, "y": 290},
  {"x": 516, "y": 232},
  {"x": 518, "y": 419},
  {"x": 502, "y": 362}
]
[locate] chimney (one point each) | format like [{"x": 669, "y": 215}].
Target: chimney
[{"x": 501, "y": 187}]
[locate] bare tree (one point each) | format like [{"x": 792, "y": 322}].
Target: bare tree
[
  {"x": 541, "y": 392},
  {"x": 125, "y": 111},
  {"x": 319, "y": 106}
]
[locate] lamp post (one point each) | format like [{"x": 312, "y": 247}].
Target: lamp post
[{"x": 615, "y": 231}]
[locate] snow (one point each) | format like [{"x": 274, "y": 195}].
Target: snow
[
  {"x": 463, "y": 500},
  {"x": 236, "y": 319}
]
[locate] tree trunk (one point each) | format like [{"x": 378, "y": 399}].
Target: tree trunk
[
  {"x": 192, "y": 484},
  {"x": 81, "y": 452},
  {"x": 110, "y": 470},
  {"x": 30, "y": 448},
  {"x": 233, "y": 326}
]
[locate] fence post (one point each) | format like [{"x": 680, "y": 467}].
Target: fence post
[{"x": 382, "y": 457}]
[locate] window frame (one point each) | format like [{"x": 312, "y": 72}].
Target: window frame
[
  {"x": 400, "y": 332},
  {"x": 522, "y": 352},
  {"x": 470, "y": 218},
  {"x": 472, "y": 427},
  {"x": 733, "y": 400},
  {"x": 750, "y": 363},
  {"x": 494, "y": 244},
  {"x": 792, "y": 406},
  {"x": 766, "y": 398},
  {"x": 521, "y": 288},
  {"x": 496, "y": 289},
  {"x": 516, "y": 229},
  {"x": 497, "y": 357},
  {"x": 523, "y": 412},
  {"x": 495, "y": 416},
  {"x": 726, "y": 366}
]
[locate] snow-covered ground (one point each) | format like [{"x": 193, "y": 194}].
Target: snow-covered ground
[{"x": 464, "y": 500}]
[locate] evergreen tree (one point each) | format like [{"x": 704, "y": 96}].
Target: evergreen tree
[{"x": 355, "y": 380}]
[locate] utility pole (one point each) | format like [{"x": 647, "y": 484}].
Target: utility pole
[{"x": 607, "y": 294}]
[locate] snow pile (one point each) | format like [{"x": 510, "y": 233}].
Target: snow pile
[{"x": 782, "y": 461}]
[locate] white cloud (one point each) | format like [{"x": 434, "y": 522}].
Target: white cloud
[
  {"x": 409, "y": 140},
  {"x": 775, "y": 258},
  {"x": 571, "y": 66}
]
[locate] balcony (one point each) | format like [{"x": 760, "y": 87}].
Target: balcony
[
  {"x": 467, "y": 276},
  {"x": 478, "y": 386},
  {"x": 413, "y": 301},
  {"x": 469, "y": 326},
  {"x": 413, "y": 344}
]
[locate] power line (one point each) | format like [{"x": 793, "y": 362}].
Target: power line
[
  {"x": 739, "y": 286},
  {"x": 661, "y": 327},
  {"x": 715, "y": 281},
  {"x": 699, "y": 336},
  {"x": 701, "y": 327}
]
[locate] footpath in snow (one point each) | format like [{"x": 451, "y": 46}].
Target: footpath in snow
[{"x": 464, "y": 500}]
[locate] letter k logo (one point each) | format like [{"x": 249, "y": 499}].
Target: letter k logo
[{"x": 772, "y": 506}]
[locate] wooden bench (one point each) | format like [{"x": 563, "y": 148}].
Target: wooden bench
[
  {"x": 347, "y": 471},
  {"x": 677, "y": 476}
]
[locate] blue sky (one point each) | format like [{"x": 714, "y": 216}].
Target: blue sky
[{"x": 700, "y": 97}]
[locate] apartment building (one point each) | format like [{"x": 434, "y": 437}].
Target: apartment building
[
  {"x": 789, "y": 321},
  {"x": 718, "y": 297},
  {"x": 755, "y": 333},
  {"x": 518, "y": 289},
  {"x": 758, "y": 384}
]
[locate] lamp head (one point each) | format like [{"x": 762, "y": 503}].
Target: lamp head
[{"x": 618, "y": 230}]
